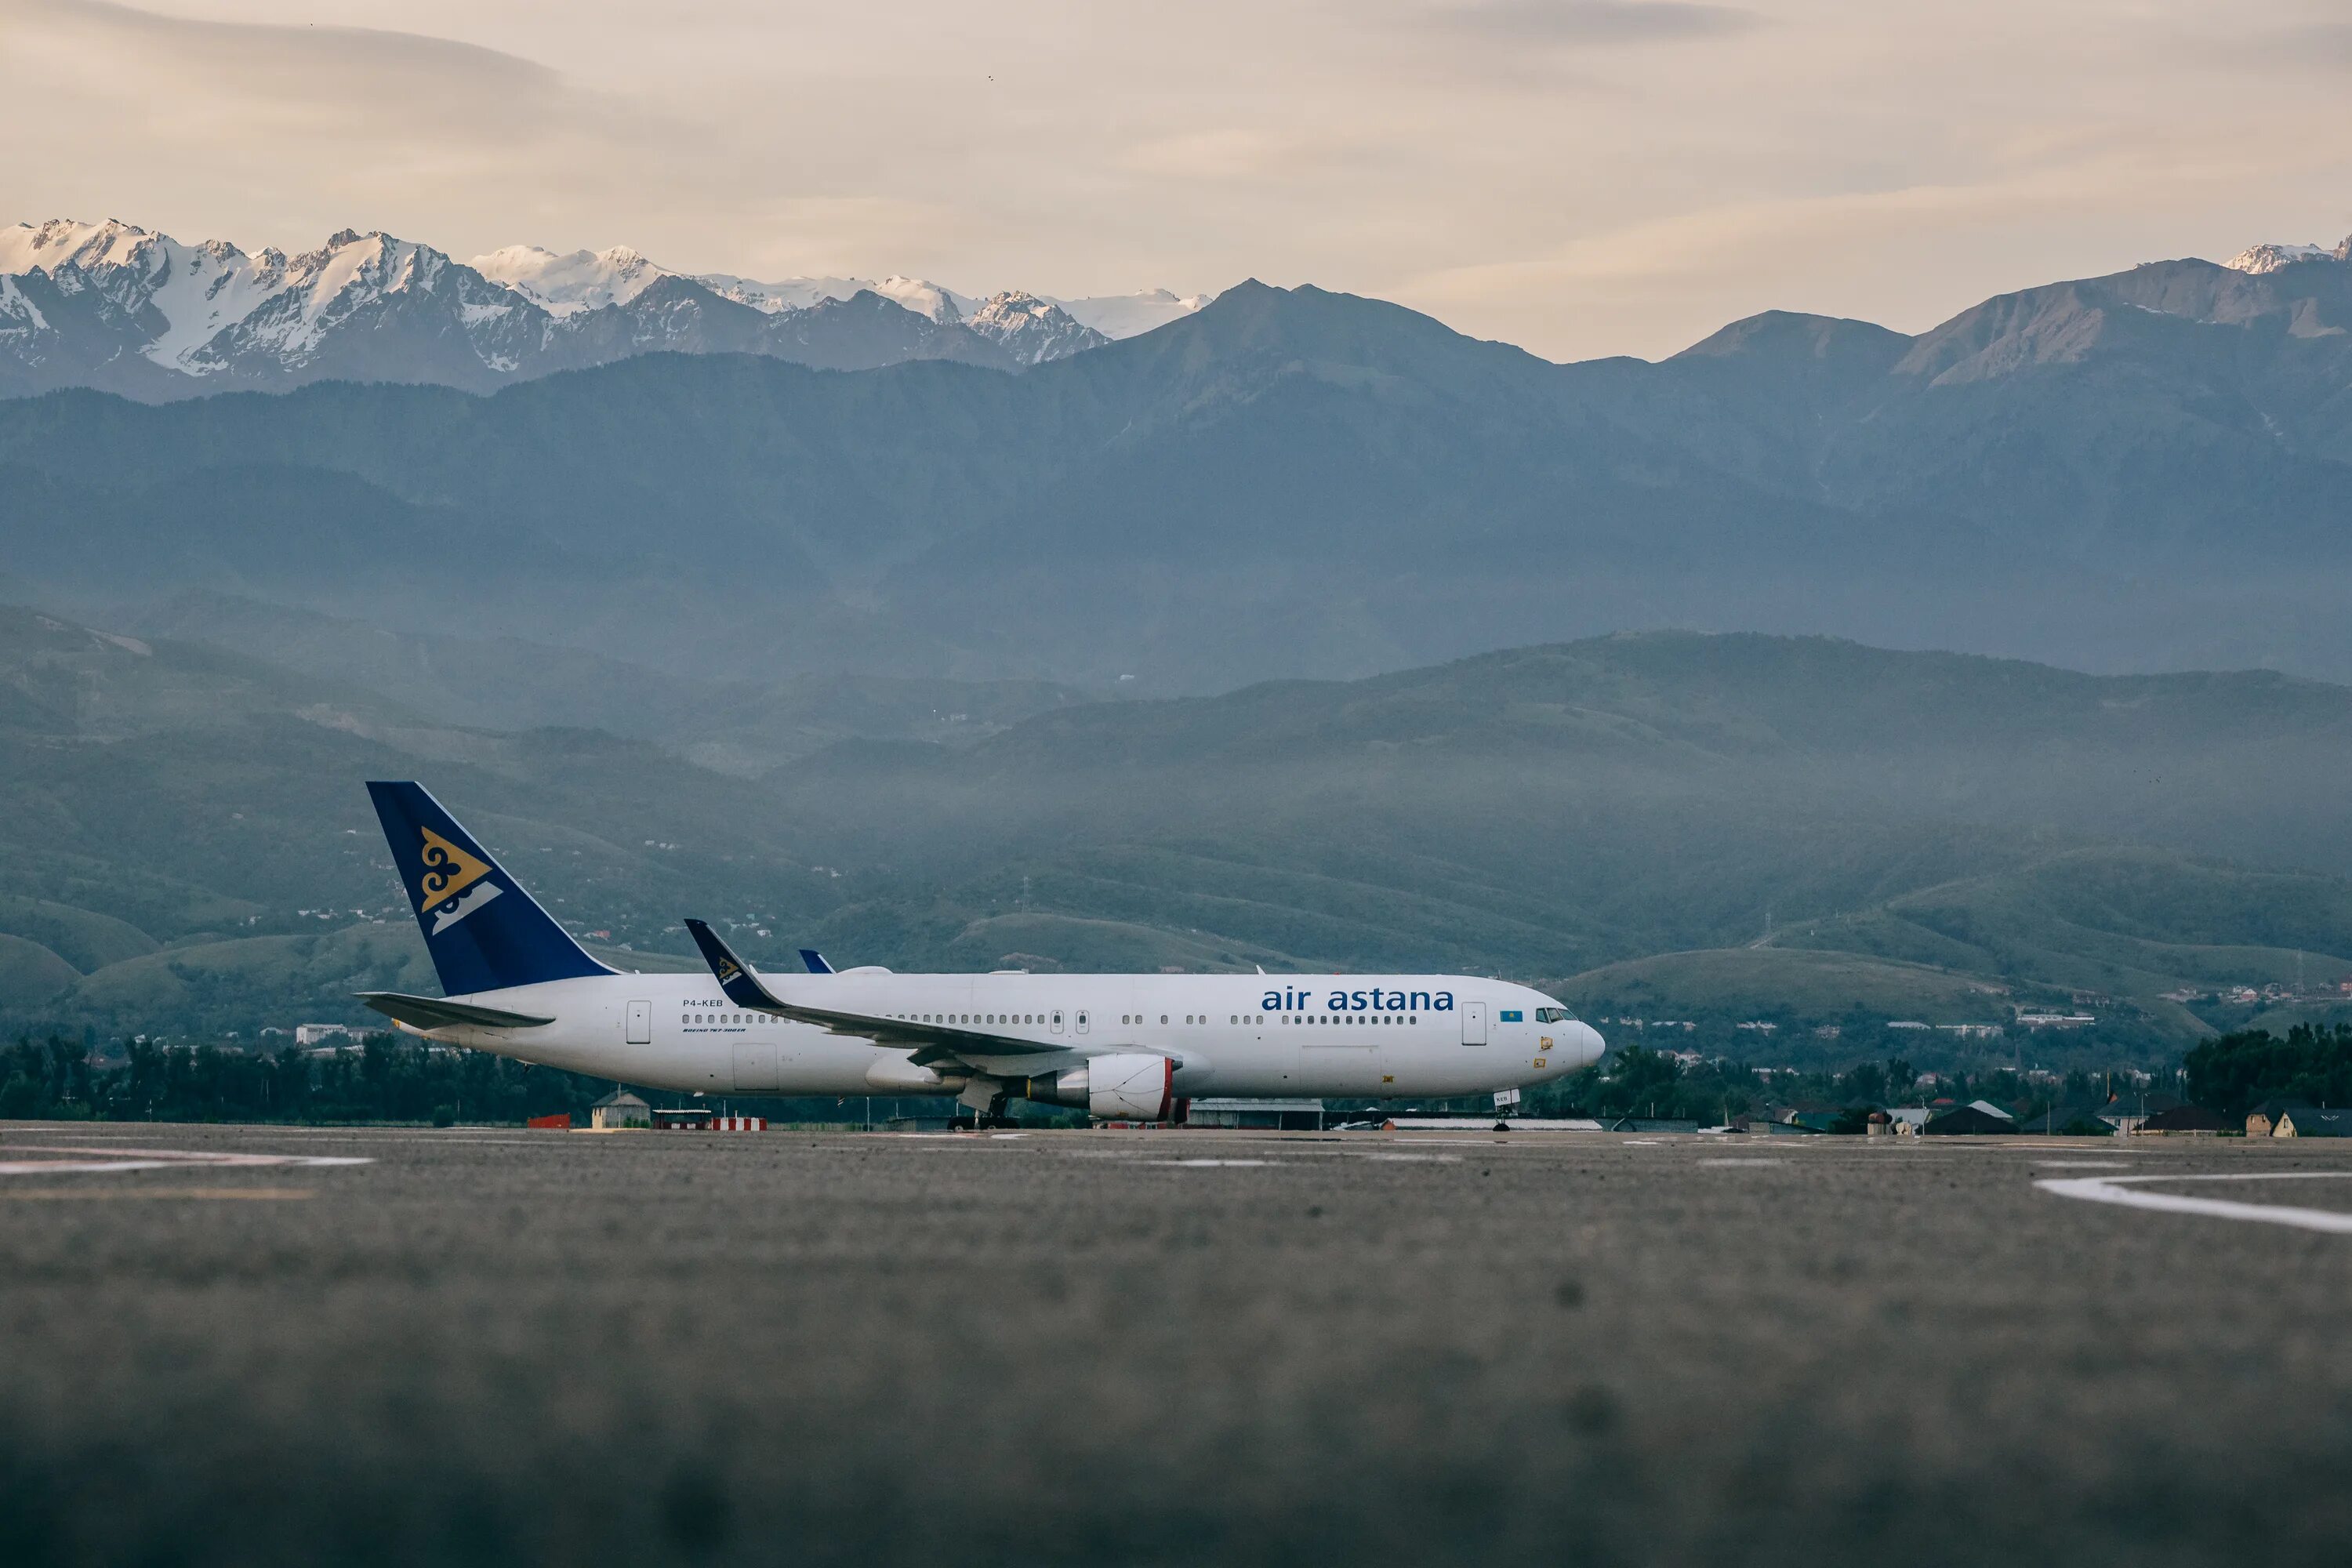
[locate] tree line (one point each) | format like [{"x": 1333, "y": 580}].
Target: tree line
[
  {"x": 1633, "y": 1081},
  {"x": 2235, "y": 1072},
  {"x": 387, "y": 1079},
  {"x": 392, "y": 1079}
]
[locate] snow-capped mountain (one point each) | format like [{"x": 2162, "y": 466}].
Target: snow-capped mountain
[
  {"x": 1031, "y": 330},
  {"x": 786, "y": 294},
  {"x": 124, "y": 309},
  {"x": 567, "y": 285},
  {"x": 584, "y": 280},
  {"x": 132, "y": 311},
  {"x": 589, "y": 280},
  {"x": 2271, "y": 258},
  {"x": 1129, "y": 315}
]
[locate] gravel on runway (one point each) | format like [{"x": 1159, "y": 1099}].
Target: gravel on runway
[{"x": 487, "y": 1345}]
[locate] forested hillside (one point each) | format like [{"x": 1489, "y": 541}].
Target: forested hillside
[{"x": 1668, "y": 824}]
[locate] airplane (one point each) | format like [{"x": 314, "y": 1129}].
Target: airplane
[{"x": 1120, "y": 1047}]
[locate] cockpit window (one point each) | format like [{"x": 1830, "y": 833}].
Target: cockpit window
[{"x": 1553, "y": 1016}]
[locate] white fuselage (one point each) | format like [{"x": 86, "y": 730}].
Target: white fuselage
[{"x": 1335, "y": 1035}]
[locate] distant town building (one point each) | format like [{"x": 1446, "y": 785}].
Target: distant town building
[
  {"x": 2310, "y": 1122},
  {"x": 2263, "y": 1118},
  {"x": 308, "y": 1034},
  {"x": 1979, "y": 1116},
  {"x": 2185, "y": 1121},
  {"x": 2056, "y": 1020}
]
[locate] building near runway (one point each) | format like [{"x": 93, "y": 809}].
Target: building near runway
[{"x": 620, "y": 1108}]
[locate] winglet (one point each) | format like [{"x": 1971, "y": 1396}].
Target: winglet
[
  {"x": 742, "y": 987},
  {"x": 815, "y": 961}
]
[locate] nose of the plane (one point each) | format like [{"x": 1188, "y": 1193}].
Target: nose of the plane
[{"x": 1589, "y": 1045}]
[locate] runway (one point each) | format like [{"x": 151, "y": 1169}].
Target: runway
[{"x": 483, "y": 1345}]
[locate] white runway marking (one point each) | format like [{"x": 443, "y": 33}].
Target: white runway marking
[
  {"x": 2120, "y": 1190},
  {"x": 154, "y": 1160},
  {"x": 1228, "y": 1164},
  {"x": 1739, "y": 1161}
]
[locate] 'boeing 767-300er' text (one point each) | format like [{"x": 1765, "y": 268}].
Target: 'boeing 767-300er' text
[{"x": 1120, "y": 1045}]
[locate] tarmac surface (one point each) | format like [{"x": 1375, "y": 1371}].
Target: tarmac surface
[{"x": 490, "y": 1345}]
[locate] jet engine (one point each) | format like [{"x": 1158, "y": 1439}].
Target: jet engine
[{"x": 1125, "y": 1088}]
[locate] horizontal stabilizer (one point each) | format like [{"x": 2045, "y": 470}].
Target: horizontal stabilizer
[{"x": 436, "y": 1013}]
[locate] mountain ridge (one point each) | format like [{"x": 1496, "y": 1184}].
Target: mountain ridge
[
  {"x": 2142, "y": 470},
  {"x": 134, "y": 312}
]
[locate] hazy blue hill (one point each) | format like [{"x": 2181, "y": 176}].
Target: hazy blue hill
[
  {"x": 59, "y": 678},
  {"x": 2134, "y": 921},
  {"x": 1550, "y": 812},
  {"x": 30, "y": 975},
  {"x": 2145, "y": 470},
  {"x": 503, "y": 682},
  {"x": 1807, "y": 982},
  {"x": 1561, "y": 808},
  {"x": 82, "y": 938}
]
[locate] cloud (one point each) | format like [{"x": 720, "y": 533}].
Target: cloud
[
  {"x": 1234, "y": 154},
  {"x": 1579, "y": 176},
  {"x": 2327, "y": 44},
  {"x": 258, "y": 65},
  {"x": 1594, "y": 22},
  {"x": 295, "y": 129}
]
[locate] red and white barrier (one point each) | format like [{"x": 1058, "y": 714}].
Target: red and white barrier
[{"x": 738, "y": 1124}]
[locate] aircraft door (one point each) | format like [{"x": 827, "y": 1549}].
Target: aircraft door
[
  {"x": 1082, "y": 1020},
  {"x": 1474, "y": 1022},
  {"x": 756, "y": 1071},
  {"x": 641, "y": 1023},
  {"x": 1057, "y": 1020}
]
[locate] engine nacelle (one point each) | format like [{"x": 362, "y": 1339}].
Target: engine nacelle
[
  {"x": 1121, "y": 1088},
  {"x": 897, "y": 1074}
]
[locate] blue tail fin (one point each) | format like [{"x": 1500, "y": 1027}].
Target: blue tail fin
[
  {"x": 484, "y": 932},
  {"x": 815, "y": 961}
]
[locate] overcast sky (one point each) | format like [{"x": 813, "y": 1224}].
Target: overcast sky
[{"x": 1579, "y": 176}]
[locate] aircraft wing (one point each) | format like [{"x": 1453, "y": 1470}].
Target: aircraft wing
[
  {"x": 437, "y": 1012},
  {"x": 929, "y": 1042}
]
